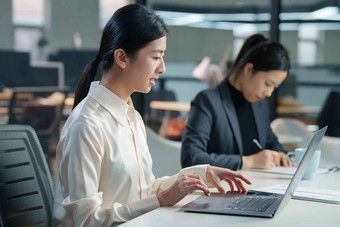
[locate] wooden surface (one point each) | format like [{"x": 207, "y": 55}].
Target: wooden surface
[
  {"x": 298, "y": 110},
  {"x": 170, "y": 105}
]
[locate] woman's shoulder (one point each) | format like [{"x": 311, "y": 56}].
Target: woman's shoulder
[
  {"x": 79, "y": 123},
  {"x": 84, "y": 116},
  {"x": 209, "y": 93},
  {"x": 208, "y": 101}
]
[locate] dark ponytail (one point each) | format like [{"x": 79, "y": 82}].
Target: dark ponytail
[
  {"x": 263, "y": 54},
  {"x": 85, "y": 80},
  {"x": 130, "y": 28}
]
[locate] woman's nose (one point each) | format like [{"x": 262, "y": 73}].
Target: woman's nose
[
  {"x": 269, "y": 92},
  {"x": 161, "y": 68}
]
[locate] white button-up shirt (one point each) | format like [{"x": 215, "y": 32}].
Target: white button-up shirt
[{"x": 104, "y": 168}]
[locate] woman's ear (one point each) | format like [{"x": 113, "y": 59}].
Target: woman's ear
[
  {"x": 120, "y": 58},
  {"x": 248, "y": 68}
]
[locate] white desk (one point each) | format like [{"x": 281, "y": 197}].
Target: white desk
[
  {"x": 289, "y": 139},
  {"x": 296, "y": 213}
]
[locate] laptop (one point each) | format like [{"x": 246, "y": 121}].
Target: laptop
[{"x": 255, "y": 203}]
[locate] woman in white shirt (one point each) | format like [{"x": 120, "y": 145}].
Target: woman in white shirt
[{"x": 104, "y": 173}]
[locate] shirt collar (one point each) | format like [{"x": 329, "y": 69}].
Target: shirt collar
[{"x": 110, "y": 101}]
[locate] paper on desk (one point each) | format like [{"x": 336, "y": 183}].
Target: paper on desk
[
  {"x": 286, "y": 170},
  {"x": 306, "y": 193}
]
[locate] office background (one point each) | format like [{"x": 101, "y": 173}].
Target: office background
[
  {"x": 53, "y": 30},
  {"x": 48, "y": 43},
  {"x": 44, "y": 27}
]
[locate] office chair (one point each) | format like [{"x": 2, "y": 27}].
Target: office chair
[
  {"x": 291, "y": 127},
  {"x": 158, "y": 95},
  {"x": 44, "y": 118},
  {"x": 26, "y": 187},
  {"x": 165, "y": 154},
  {"x": 156, "y": 119},
  {"x": 1, "y": 218},
  {"x": 330, "y": 114},
  {"x": 329, "y": 145}
]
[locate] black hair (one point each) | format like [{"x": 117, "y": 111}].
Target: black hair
[
  {"x": 130, "y": 28},
  {"x": 263, "y": 54}
]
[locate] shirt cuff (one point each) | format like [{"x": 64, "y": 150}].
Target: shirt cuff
[
  {"x": 200, "y": 170},
  {"x": 143, "y": 206}
]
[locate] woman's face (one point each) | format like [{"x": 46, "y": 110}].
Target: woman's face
[
  {"x": 144, "y": 68},
  {"x": 261, "y": 84}
]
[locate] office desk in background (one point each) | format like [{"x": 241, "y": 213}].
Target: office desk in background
[
  {"x": 302, "y": 110},
  {"x": 296, "y": 213},
  {"x": 281, "y": 110},
  {"x": 170, "y": 106},
  {"x": 307, "y": 114}
]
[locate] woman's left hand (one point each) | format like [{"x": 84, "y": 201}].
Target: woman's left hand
[
  {"x": 216, "y": 174},
  {"x": 284, "y": 161}
]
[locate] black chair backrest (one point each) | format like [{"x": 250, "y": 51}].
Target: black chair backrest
[
  {"x": 16, "y": 71},
  {"x": 44, "y": 118},
  {"x": 330, "y": 114},
  {"x": 159, "y": 95},
  {"x": 26, "y": 187},
  {"x": 1, "y": 218},
  {"x": 75, "y": 62}
]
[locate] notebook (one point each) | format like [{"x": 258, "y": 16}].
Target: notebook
[
  {"x": 306, "y": 193},
  {"x": 287, "y": 170},
  {"x": 255, "y": 203}
]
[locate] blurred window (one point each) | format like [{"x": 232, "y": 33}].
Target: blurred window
[
  {"x": 240, "y": 33},
  {"x": 28, "y": 22},
  {"x": 107, "y": 8},
  {"x": 29, "y": 13},
  {"x": 308, "y": 36}
]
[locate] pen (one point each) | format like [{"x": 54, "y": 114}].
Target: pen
[
  {"x": 333, "y": 169},
  {"x": 257, "y": 144},
  {"x": 276, "y": 159}
]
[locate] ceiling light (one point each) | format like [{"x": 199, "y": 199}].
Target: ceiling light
[{"x": 325, "y": 12}]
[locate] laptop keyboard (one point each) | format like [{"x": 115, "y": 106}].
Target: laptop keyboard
[{"x": 252, "y": 203}]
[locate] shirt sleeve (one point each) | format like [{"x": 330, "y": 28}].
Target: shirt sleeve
[
  {"x": 79, "y": 171},
  {"x": 163, "y": 183}
]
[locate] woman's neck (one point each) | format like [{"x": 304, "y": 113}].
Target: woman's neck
[
  {"x": 234, "y": 81},
  {"x": 115, "y": 85}
]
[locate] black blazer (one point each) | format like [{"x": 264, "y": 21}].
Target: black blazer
[{"x": 212, "y": 133}]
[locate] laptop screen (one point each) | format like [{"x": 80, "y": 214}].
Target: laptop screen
[{"x": 313, "y": 145}]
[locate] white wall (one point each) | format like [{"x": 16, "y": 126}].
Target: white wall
[
  {"x": 331, "y": 51},
  {"x": 187, "y": 44},
  {"x": 6, "y": 27},
  {"x": 70, "y": 16},
  {"x": 290, "y": 39}
]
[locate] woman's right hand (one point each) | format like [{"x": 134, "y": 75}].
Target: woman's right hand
[
  {"x": 265, "y": 159},
  {"x": 184, "y": 185}
]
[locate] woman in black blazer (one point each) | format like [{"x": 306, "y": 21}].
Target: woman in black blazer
[{"x": 226, "y": 121}]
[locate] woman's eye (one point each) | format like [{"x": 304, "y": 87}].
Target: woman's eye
[{"x": 156, "y": 58}]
